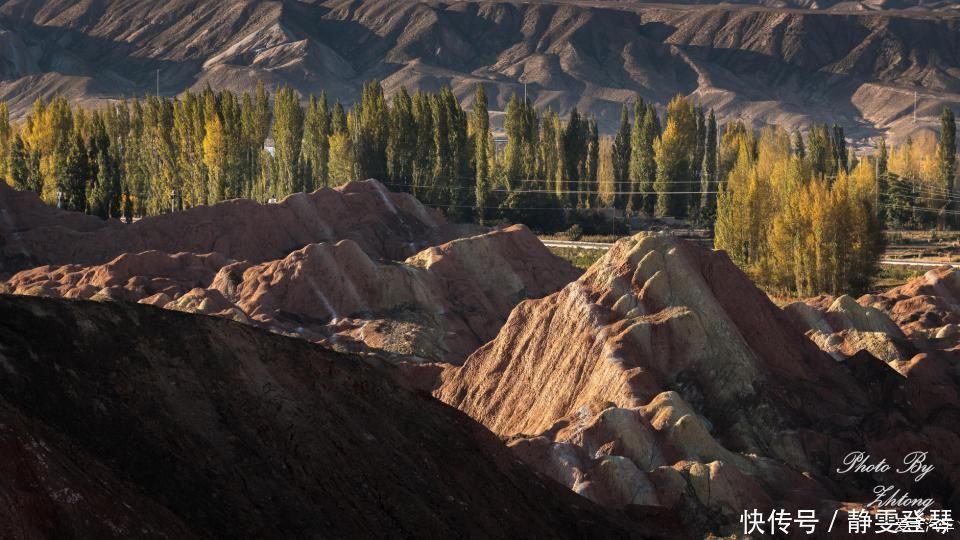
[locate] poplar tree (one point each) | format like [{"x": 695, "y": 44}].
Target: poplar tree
[
  {"x": 402, "y": 143},
  {"x": 672, "y": 153},
  {"x": 549, "y": 167},
  {"x": 189, "y": 126},
  {"x": 214, "y": 158},
  {"x": 261, "y": 113},
  {"x": 592, "y": 164},
  {"x": 620, "y": 160},
  {"x": 103, "y": 195},
  {"x": 643, "y": 167},
  {"x": 531, "y": 133},
  {"x": 634, "y": 202},
  {"x": 947, "y": 159},
  {"x": 709, "y": 183},
  {"x": 6, "y": 133},
  {"x": 287, "y": 138},
  {"x": 513, "y": 153},
  {"x": 443, "y": 166},
  {"x": 256, "y": 129},
  {"x": 426, "y": 155},
  {"x": 372, "y": 127},
  {"x": 799, "y": 149},
  {"x": 76, "y": 174},
  {"x": 696, "y": 164},
  {"x": 840, "y": 149},
  {"x": 575, "y": 139},
  {"x": 338, "y": 119},
  {"x": 17, "y": 166},
  {"x": 230, "y": 115},
  {"x": 316, "y": 139},
  {"x": 483, "y": 150}
]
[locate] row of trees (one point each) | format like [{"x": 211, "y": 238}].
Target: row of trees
[
  {"x": 918, "y": 179},
  {"x": 804, "y": 217},
  {"x": 143, "y": 157},
  {"x": 792, "y": 226}
]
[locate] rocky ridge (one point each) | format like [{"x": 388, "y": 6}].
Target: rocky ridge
[
  {"x": 438, "y": 305},
  {"x": 920, "y": 316},
  {"x": 664, "y": 377}
]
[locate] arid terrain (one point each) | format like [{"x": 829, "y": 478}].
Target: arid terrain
[
  {"x": 197, "y": 340},
  {"x": 792, "y": 62},
  {"x": 659, "y": 383},
  {"x": 120, "y": 420},
  {"x": 687, "y": 388}
]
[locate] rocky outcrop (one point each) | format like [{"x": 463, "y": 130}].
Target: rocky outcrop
[
  {"x": 843, "y": 326},
  {"x": 383, "y": 224},
  {"x": 919, "y": 317},
  {"x": 663, "y": 376},
  {"x": 439, "y": 305},
  {"x": 926, "y": 308},
  {"x": 130, "y": 277},
  {"x": 119, "y": 420}
]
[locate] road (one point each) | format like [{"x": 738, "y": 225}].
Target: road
[
  {"x": 576, "y": 244},
  {"x": 606, "y": 246}
]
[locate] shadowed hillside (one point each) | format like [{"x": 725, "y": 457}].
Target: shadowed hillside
[{"x": 119, "y": 420}]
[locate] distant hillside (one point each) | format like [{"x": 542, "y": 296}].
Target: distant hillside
[{"x": 856, "y": 63}]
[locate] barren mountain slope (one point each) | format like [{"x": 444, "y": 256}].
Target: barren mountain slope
[
  {"x": 849, "y": 64},
  {"x": 118, "y": 420},
  {"x": 664, "y": 377}
]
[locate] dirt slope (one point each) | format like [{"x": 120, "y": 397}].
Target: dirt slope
[
  {"x": 857, "y": 63},
  {"x": 122, "y": 420}
]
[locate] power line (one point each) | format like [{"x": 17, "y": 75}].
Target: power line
[
  {"x": 554, "y": 192},
  {"x": 581, "y": 192},
  {"x": 555, "y": 209},
  {"x": 922, "y": 209}
]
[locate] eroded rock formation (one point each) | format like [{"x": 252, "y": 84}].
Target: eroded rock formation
[
  {"x": 664, "y": 377},
  {"x": 439, "y": 305},
  {"x": 920, "y": 316},
  {"x": 926, "y": 308}
]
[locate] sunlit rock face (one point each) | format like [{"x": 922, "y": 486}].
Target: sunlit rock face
[{"x": 664, "y": 377}]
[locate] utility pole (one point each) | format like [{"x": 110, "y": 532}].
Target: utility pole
[
  {"x": 876, "y": 175},
  {"x": 158, "y": 83},
  {"x": 914, "y": 107}
]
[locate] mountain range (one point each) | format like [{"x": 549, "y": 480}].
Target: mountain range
[{"x": 861, "y": 64}]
